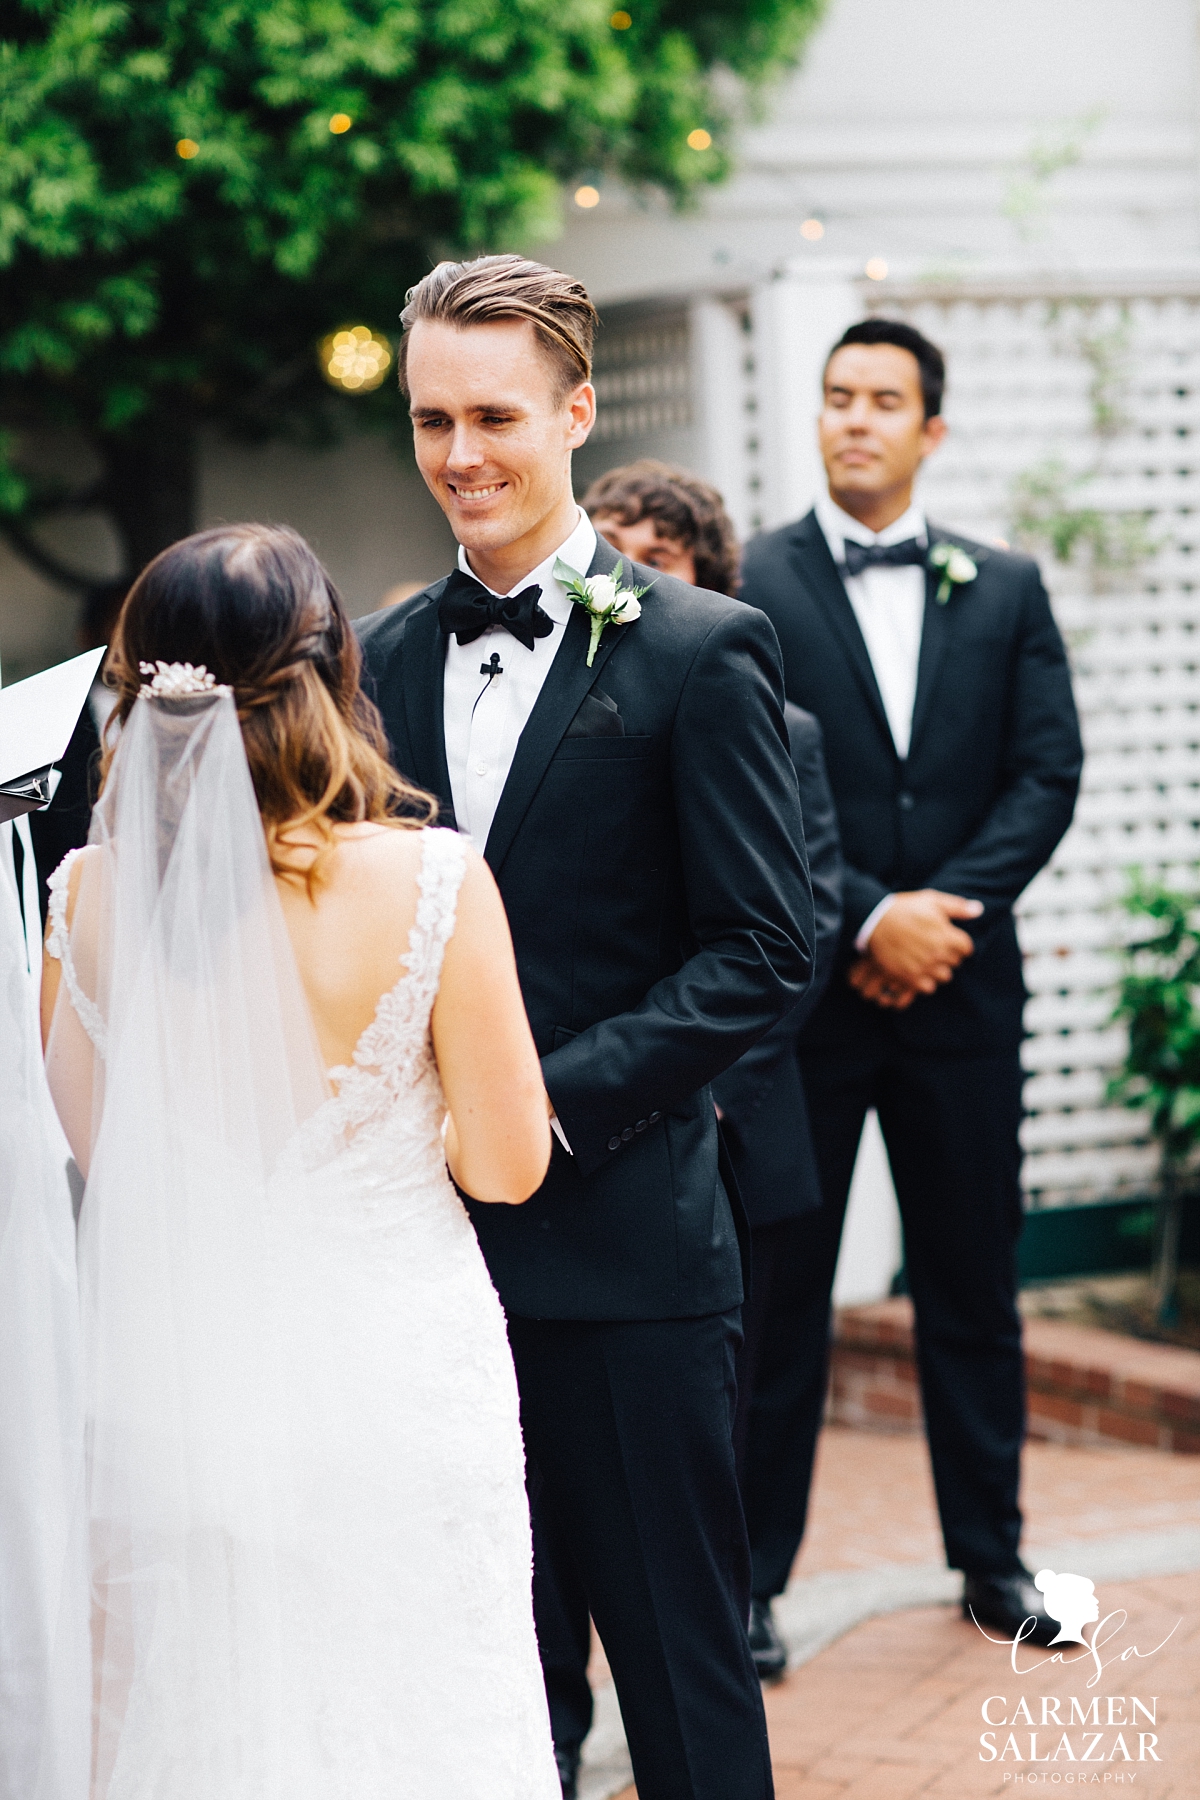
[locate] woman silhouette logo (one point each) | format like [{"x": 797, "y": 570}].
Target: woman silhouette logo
[{"x": 1071, "y": 1599}]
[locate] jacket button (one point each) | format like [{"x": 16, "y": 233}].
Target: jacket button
[
  {"x": 627, "y": 1134},
  {"x": 905, "y": 802},
  {"x": 654, "y": 1118},
  {"x": 614, "y": 1143},
  {"x": 641, "y": 1125}
]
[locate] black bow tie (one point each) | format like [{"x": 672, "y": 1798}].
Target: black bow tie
[
  {"x": 467, "y": 608},
  {"x": 858, "y": 557}
]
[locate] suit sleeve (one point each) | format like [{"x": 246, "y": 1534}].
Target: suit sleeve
[
  {"x": 1041, "y": 771},
  {"x": 823, "y": 844},
  {"x": 738, "y": 1091},
  {"x": 749, "y": 900},
  {"x": 861, "y": 894}
]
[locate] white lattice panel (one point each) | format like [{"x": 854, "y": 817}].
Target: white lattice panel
[
  {"x": 1022, "y": 393},
  {"x": 645, "y": 391},
  {"x": 643, "y": 375}
]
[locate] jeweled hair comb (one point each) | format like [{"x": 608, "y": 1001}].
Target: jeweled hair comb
[{"x": 178, "y": 681}]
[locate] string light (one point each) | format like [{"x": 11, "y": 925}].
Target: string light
[
  {"x": 621, "y": 21},
  {"x": 187, "y": 148},
  {"x": 699, "y": 139},
  {"x": 355, "y": 359},
  {"x": 812, "y": 229},
  {"x": 340, "y": 122},
  {"x": 876, "y": 269},
  {"x": 587, "y": 197}
]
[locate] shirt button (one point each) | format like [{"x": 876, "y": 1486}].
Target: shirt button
[
  {"x": 481, "y": 768},
  {"x": 627, "y": 1134},
  {"x": 614, "y": 1143},
  {"x": 905, "y": 802}
]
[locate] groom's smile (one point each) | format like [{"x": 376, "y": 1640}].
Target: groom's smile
[
  {"x": 494, "y": 430},
  {"x": 476, "y": 493}
]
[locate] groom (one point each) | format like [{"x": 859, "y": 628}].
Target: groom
[{"x": 641, "y": 818}]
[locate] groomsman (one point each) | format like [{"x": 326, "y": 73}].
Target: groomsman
[
  {"x": 941, "y": 683},
  {"x": 654, "y": 876},
  {"x": 667, "y": 518},
  {"x": 677, "y": 522}
]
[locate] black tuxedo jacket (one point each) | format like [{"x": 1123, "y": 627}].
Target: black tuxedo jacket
[
  {"x": 764, "y": 1112},
  {"x": 65, "y": 822},
  {"x": 649, "y": 850},
  {"x": 984, "y": 795}
]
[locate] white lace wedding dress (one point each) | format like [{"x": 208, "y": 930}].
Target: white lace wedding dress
[{"x": 373, "y": 1639}]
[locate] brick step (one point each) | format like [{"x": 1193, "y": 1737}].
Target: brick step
[{"x": 1085, "y": 1386}]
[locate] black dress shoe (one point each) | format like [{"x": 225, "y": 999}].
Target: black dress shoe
[
  {"x": 766, "y": 1646},
  {"x": 568, "y": 1771},
  {"x": 1005, "y": 1602}
]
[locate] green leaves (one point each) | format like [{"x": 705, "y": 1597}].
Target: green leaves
[
  {"x": 1160, "y": 1004},
  {"x": 140, "y": 281}
]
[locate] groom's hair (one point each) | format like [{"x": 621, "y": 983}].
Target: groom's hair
[
  {"x": 931, "y": 364},
  {"x": 510, "y": 287}
]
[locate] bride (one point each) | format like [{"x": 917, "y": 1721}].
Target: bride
[{"x": 277, "y": 1005}]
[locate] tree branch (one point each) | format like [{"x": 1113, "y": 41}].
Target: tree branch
[
  {"x": 82, "y": 499},
  {"x": 44, "y": 562}
]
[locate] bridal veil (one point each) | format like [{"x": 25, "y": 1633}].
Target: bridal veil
[
  {"x": 44, "y": 1675},
  {"x": 183, "y": 1061}
]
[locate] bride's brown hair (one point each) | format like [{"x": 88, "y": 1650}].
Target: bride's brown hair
[{"x": 254, "y": 605}]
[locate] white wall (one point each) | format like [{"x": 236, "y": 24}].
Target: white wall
[
  {"x": 909, "y": 129},
  {"x": 365, "y": 510}
]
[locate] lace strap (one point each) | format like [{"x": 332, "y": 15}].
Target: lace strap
[
  {"x": 58, "y": 945},
  {"x": 443, "y": 865}
]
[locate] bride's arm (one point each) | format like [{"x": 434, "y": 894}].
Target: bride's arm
[
  {"x": 498, "y": 1138},
  {"x": 69, "y": 1052}
]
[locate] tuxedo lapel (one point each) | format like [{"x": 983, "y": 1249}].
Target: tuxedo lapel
[
  {"x": 812, "y": 562},
  {"x": 936, "y": 629},
  {"x": 562, "y": 695},
  {"x": 424, "y": 666}
]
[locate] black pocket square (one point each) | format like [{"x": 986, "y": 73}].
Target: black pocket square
[{"x": 597, "y": 717}]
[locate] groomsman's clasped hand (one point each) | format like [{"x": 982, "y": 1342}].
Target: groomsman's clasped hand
[{"x": 915, "y": 948}]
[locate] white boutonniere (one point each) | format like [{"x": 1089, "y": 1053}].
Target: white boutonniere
[
  {"x": 956, "y": 566},
  {"x": 603, "y": 598}
]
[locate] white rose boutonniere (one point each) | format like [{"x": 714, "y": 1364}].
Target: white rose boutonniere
[
  {"x": 956, "y": 566},
  {"x": 603, "y": 598}
]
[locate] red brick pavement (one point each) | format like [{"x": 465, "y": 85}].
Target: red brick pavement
[
  {"x": 873, "y": 1498},
  {"x": 892, "y": 1710}
]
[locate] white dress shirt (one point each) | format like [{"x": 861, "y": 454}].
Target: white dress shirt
[
  {"x": 485, "y": 717},
  {"x": 889, "y": 604}
]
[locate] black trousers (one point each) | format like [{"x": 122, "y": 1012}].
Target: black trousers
[
  {"x": 638, "y": 1521},
  {"x": 950, "y": 1125}
]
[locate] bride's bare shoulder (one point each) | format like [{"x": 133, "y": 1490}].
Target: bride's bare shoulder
[
  {"x": 378, "y": 865},
  {"x": 385, "y": 853},
  {"x": 68, "y": 878}
]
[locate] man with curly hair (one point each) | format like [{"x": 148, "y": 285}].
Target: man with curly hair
[{"x": 662, "y": 516}]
